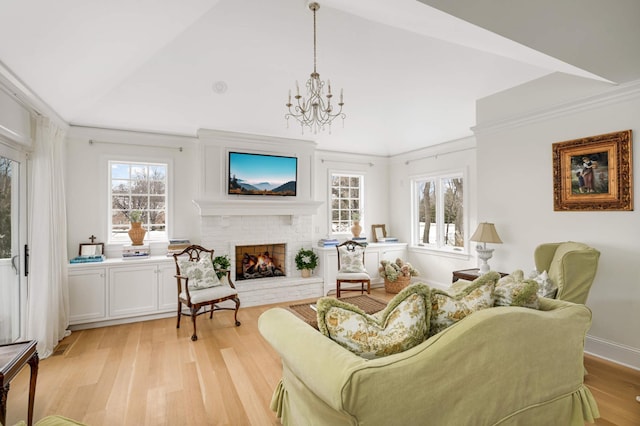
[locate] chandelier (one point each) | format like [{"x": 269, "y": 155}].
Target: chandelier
[{"x": 314, "y": 111}]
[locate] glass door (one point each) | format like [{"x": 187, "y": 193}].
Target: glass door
[{"x": 12, "y": 243}]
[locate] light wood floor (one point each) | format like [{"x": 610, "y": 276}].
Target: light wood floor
[{"x": 149, "y": 373}]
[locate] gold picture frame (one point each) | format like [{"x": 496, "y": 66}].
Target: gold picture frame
[
  {"x": 378, "y": 231},
  {"x": 593, "y": 173}
]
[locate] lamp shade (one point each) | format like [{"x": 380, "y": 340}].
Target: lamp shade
[{"x": 486, "y": 233}]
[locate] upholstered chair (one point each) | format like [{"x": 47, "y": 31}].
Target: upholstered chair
[
  {"x": 571, "y": 266},
  {"x": 351, "y": 268}
]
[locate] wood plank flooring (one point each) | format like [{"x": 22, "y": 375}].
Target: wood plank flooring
[{"x": 150, "y": 373}]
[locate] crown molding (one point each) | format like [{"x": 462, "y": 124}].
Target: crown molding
[{"x": 616, "y": 95}]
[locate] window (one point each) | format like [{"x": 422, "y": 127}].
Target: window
[
  {"x": 142, "y": 187},
  {"x": 438, "y": 206},
  {"x": 346, "y": 201}
]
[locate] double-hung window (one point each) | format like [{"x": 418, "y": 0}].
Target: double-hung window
[
  {"x": 438, "y": 212},
  {"x": 346, "y": 201},
  {"x": 141, "y": 187}
]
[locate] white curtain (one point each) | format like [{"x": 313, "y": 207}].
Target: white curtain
[{"x": 48, "y": 295}]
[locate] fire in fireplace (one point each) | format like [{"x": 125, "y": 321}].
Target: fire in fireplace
[{"x": 260, "y": 261}]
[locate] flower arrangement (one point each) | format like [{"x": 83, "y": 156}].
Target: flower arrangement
[
  {"x": 221, "y": 264},
  {"x": 306, "y": 259},
  {"x": 390, "y": 271},
  {"x": 135, "y": 216}
]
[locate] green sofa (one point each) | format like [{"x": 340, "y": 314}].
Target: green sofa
[{"x": 503, "y": 365}]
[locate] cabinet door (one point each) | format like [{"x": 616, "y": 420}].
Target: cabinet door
[
  {"x": 133, "y": 290},
  {"x": 168, "y": 288},
  {"x": 371, "y": 263},
  {"x": 87, "y": 295}
]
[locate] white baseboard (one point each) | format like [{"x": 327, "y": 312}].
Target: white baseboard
[{"x": 614, "y": 352}]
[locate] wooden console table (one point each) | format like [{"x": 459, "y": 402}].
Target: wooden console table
[{"x": 13, "y": 357}]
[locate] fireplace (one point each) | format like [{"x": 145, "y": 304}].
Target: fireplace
[{"x": 260, "y": 261}]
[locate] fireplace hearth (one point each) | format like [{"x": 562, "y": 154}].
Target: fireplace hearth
[{"x": 260, "y": 261}]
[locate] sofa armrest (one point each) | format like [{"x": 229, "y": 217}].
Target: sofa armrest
[{"x": 320, "y": 363}]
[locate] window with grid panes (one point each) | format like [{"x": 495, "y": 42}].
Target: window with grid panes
[
  {"x": 346, "y": 201},
  {"x": 142, "y": 187}
]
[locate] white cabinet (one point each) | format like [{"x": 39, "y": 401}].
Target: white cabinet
[
  {"x": 87, "y": 294},
  {"x": 168, "y": 287},
  {"x": 373, "y": 254},
  {"x": 117, "y": 289},
  {"x": 133, "y": 290}
]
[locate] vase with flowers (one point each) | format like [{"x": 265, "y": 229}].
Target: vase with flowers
[
  {"x": 356, "y": 229},
  {"x": 397, "y": 275},
  {"x": 136, "y": 232}
]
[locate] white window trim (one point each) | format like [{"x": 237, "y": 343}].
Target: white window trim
[
  {"x": 106, "y": 199},
  {"x": 443, "y": 250},
  {"x": 363, "y": 178}
]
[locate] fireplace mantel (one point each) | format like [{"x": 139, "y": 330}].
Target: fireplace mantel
[{"x": 212, "y": 207}]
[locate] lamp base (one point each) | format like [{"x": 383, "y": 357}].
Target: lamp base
[{"x": 484, "y": 254}]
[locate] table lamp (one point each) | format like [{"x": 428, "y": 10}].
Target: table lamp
[{"x": 486, "y": 233}]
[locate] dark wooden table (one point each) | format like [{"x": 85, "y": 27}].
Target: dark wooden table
[
  {"x": 470, "y": 274},
  {"x": 13, "y": 357}
]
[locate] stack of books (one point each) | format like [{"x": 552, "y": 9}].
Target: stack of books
[
  {"x": 88, "y": 259},
  {"x": 135, "y": 252},
  {"x": 388, "y": 240},
  {"x": 361, "y": 240},
  {"x": 176, "y": 245},
  {"x": 328, "y": 242}
]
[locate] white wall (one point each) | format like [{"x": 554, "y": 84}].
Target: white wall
[
  {"x": 515, "y": 191},
  {"x": 435, "y": 267},
  {"x": 86, "y": 184}
]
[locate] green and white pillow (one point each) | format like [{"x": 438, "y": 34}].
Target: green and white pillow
[
  {"x": 403, "y": 324},
  {"x": 514, "y": 290},
  {"x": 201, "y": 273},
  {"x": 447, "y": 309},
  {"x": 351, "y": 261}
]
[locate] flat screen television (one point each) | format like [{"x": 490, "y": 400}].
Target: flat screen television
[{"x": 261, "y": 174}]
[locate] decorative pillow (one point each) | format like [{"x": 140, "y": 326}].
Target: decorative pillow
[
  {"x": 351, "y": 261},
  {"x": 201, "y": 273},
  {"x": 514, "y": 290},
  {"x": 447, "y": 309},
  {"x": 403, "y": 324},
  {"x": 546, "y": 287}
]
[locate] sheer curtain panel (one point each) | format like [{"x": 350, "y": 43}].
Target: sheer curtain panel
[{"x": 48, "y": 295}]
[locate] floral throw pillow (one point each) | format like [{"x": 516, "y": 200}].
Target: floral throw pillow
[
  {"x": 447, "y": 309},
  {"x": 201, "y": 273},
  {"x": 514, "y": 290},
  {"x": 351, "y": 261},
  {"x": 403, "y": 324}
]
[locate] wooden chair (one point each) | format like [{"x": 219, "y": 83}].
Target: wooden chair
[
  {"x": 197, "y": 298},
  {"x": 351, "y": 267}
]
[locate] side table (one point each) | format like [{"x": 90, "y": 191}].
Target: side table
[
  {"x": 470, "y": 274},
  {"x": 13, "y": 357}
]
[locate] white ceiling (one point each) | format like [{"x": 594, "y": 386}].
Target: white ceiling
[{"x": 411, "y": 74}]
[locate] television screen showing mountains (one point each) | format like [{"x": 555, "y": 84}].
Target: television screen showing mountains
[{"x": 259, "y": 174}]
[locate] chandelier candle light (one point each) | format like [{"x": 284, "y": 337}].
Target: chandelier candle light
[
  {"x": 314, "y": 111},
  {"x": 486, "y": 233}
]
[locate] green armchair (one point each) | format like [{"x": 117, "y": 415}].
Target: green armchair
[{"x": 571, "y": 266}]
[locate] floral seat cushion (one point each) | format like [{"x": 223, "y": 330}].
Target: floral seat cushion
[{"x": 403, "y": 324}]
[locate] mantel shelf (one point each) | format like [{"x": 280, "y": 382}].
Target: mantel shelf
[{"x": 212, "y": 207}]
